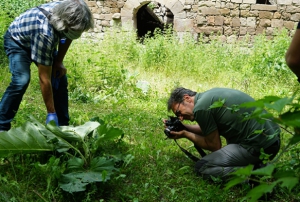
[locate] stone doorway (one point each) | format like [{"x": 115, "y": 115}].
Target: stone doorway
[
  {"x": 153, "y": 16},
  {"x": 145, "y": 16}
]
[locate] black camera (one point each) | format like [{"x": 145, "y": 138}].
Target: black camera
[{"x": 173, "y": 124}]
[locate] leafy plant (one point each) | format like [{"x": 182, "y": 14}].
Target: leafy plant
[
  {"x": 286, "y": 112},
  {"x": 81, "y": 143}
]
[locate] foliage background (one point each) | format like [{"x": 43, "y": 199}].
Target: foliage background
[{"x": 127, "y": 83}]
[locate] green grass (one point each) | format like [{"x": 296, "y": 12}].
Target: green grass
[{"x": 102, "y": 83}]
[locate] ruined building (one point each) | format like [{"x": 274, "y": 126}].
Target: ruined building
[{"x": 231, "y": 19}]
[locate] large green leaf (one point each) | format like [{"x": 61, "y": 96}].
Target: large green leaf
[
  {"x": 99, "y": 164},
  {"x": 265, "y": 171},
  {"x": 106, "y": 132},
  {"x": 99, "y": 170},
  {"x": 234, "y": 181},
  {"x": 77, "y": 181},
  {"x": 217, "y": 104},
  {"x": 244, "y": 170},
  {"x": 288, "y": 182},
  {"x": 279, "y": 105},
  {"x": 258, "y": 103},
  {"x": 295, "y": 139},
  {"x": 65, "y": 135},
  {"x": 258, "y": 191},
  {"x": 82, "y": 130},
  {"x": 290, "y": 119},
  {"x": 70, "y": 183},
  {"x": 60, "y": 144},
  {"x": 24, "y": 139},
  {"x": 75, "y": 164}
]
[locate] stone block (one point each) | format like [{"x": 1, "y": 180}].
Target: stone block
[
  {"x": 237, "y": 1},
  {"x": 286, "y": 16},
  {"x": 206, "y": 4},
  {"x": 224, "y": 11},
  {"x": 219, "y": 20},
  {"x": 126, "y": 12},
  {"x": 227, "y": 30},
  {"x": 251, "y": 30},
  {"x": 262, "y": 7},
  {"x": 253, "y": 14},
  {"x": 243, "y": 31},
  {"x": 284, "y": 2},
  {"x": 209, "y": 30},
  {"x": 297, "y": 2},
  {"x": 181, "y": 15},
  {"x": 127, "y": 23},
  {"x": 111, "y": 4},
  {"x": 295, "y": 17},
  {"x": 245, "y": 6},
  {"x": 116, "y": 16},
  {"x": 96, "y": 16},
  {"x": 234, "y": 13},
  {"x": 210, "y": 20},
  {"x": 236, "y": 22},
  {"x": 91, "y": 3},
  {"x": 265, "y": 15},
  {"x": 292, "y": 9},
  {"x": 120, "y": 4},
  {"x": 275, "y": 23},
  {"x": 265, "y": 23},
  {"x": 189, "y": 1},
  {"x": 170, "y": 3},
  {"x": 227, "y": 21},
  {"x": 249, "y": 1},
  {"x": 231, "y": 39},
  {"x": 251, "y": 22},
  {"x": 245, "y": 13},
  {"x": 209, "y": 11},
  {"x": 259, "y": 30},
  {"x": 200, "y": 20},
  {"x": 182, "y": 25},
  {"x": 177, "y": 7},
  {"x": 243, "y": 21},
  {"x": 133, "y": 3},
  {"x": 277, "y": 15},
  {"x": 290, "y": 25},
  {"x": 269, "y": 31}
]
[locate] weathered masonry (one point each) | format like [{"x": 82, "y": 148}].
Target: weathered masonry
[{"x": 232, "y": 19}]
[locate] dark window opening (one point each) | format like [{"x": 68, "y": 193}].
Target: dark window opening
[
  {"x": 151, "y": 17},
  {"x": 263, "y": 2}
]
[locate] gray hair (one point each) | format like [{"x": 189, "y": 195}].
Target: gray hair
[
  {"x": 177, "y": 96},
  {"x": 72, "y": 14}
]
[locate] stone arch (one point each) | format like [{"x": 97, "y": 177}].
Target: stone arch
[{"x": 131, "y": 7}]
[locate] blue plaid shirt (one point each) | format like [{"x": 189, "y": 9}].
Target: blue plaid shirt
[{"x": 33, "y": 31}]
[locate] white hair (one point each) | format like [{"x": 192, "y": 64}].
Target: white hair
[{"x": 72, "y": 14}]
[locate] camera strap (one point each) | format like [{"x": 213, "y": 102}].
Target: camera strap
[{"x": 191, "y": 156}]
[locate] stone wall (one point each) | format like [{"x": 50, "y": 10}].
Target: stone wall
[{"x": 231, "y": 19}]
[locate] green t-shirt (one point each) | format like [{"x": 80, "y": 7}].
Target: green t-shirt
[{"x": 230, "y": 124}]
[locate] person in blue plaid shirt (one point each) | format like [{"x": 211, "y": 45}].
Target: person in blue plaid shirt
[{"x": 43, "y": 35}]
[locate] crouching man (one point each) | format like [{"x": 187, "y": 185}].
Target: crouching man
[{"x": 243, "y": 140}]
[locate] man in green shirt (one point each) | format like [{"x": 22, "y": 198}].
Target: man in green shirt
[{"x": 243, "y": 139}]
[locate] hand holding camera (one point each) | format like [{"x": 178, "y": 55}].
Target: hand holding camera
[{"x": 173, "y": 124}]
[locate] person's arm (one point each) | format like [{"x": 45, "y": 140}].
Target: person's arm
[
  {"x": 58, "y": 60},
  {"x": 292, "y": 56},
  {"x": 194, "y": 129},
  {"x": 211, "y": 142},
  {"x": 46, "y": 87}
]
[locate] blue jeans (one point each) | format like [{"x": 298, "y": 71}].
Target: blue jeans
[{"x": 19, "y": 66}]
